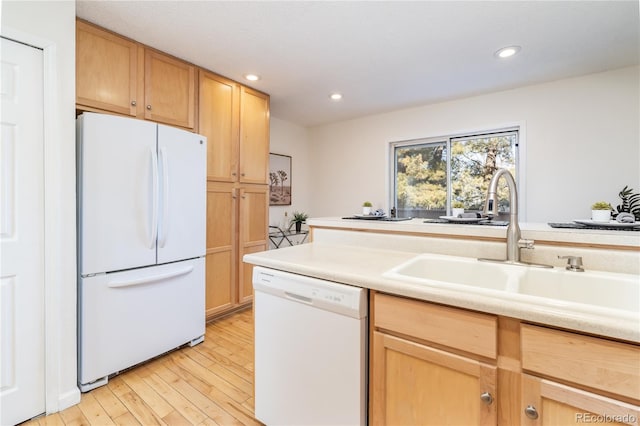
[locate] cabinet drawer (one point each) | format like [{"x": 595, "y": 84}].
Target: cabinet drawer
[
  {"x": 468, "y": 331},
  {"x": 597, "y": 363}
]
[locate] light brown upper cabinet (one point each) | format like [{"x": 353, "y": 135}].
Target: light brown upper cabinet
[
  {"x": 235, "y": 120},
  {"x": 169, "y": 90},
  {"x": 254, "y": 136},
  {"x": 218, "y": 120},
  {"x": 106, "y": 70},
  {"x": 118, "y": 75}
]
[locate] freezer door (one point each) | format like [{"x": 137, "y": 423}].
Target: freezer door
[
  {"x": 182, "y": 162},
  {"x": 129, "y": 317},
  {"x": 117, "y": 172}
]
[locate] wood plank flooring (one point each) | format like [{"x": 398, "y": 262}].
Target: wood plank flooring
[{"x": 208, "y": 384}]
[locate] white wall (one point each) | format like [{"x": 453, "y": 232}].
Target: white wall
[
  {"x": 51, "y": 26},
  {"x": 581, "y": 143},
  {"x": 291, "y": 139}
]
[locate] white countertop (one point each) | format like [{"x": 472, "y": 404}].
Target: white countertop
[
  {"x": 540, "y": 232},
  {"x": 363, "y": 267}
]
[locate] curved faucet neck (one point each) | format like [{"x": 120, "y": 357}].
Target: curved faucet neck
[
  {"x": 511, "y": 184},
  {"x": 513, "y": 230}
]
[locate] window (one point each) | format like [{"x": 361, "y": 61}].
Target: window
[{"x": 429, "y": 175}]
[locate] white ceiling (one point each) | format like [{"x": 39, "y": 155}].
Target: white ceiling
[{"x": 382, "y": 55}]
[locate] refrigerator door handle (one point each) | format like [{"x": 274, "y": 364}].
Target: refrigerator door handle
[
  {"x": 154, "y": 198},
  {"x": 151, "y": 278},
  {"x": 164, "y": 224}
]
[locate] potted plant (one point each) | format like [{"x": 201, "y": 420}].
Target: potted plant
[
  {"x": 457, "y": 208},
  {"x": 630, "y": 203},
  {"x": 298, "y": 218},
  {"x": 601, "y": 211},
  {"x": 366, "y": 207}
]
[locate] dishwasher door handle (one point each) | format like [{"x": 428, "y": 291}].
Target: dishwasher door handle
[{"x": 299, "y": 298}]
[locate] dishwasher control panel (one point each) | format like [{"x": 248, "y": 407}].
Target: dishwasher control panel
[{"x": 322, "y": 294}]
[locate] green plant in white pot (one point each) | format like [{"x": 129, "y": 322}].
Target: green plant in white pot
[
  {"x": 457, "y": 208},
  {"x": 601, "y": 211},
  {"x": 366, "y": 207}
]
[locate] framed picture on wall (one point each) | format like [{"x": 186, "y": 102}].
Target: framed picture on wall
[{"x": 279, "y": 180}]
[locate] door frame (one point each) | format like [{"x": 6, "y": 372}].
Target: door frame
[{"x": 58, "y": 226}]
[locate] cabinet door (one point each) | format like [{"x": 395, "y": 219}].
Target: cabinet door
[
  {"x": 218, "y": 120},
  {"x": 551, "y": 404},
  {"x": 413, "y": 384},
  {"x": 106, "y": 70},
  {"x": 221, "y": 265},
  {"x": 254, "y": 136},
  {"x": 169, "y": 90},
  {"x": 254, "y": 218}
]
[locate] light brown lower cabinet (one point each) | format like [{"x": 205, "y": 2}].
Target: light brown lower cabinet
[
  {"x": 438, "y": 365},
  {"x": 414, "y": 380},
  {"x": 253, "y": 233},
  {"x": 237, "y": 224},
  {"x": 602, "y": 378},
  {"x": 414, "y": 384},
  {"x": 549, "y": 403}
]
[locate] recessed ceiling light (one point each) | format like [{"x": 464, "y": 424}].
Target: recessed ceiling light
[
  {"x": 507, "y": 52},
  {"x": 252, "y": 77},
  {"x": 335, "y": 96}
]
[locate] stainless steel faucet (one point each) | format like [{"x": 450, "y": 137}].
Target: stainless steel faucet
[{"x": 515, "y": 242}]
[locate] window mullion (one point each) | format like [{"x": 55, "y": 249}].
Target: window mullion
[{"x": 449, "y": 193}]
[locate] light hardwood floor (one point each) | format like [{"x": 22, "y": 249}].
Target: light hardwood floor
[{"x": 208, "y": 384}]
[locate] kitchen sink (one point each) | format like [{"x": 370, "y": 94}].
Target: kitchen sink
[
  {"x": 597, "y": 292},
  {"x": 454, "y": 272},
  {"x": 603, "y": 289}
]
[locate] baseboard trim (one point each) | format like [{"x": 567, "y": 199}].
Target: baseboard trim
[{"x": 68, "y": 399}]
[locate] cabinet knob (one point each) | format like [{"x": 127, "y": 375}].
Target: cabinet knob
[
  {"x": 241, "y": 174},
  {"x": 234, "y": 174},
  {"x": 149, "y": 107},
  {"x": 486, "y": 398},
  {"x": 531, "y": 412},
  {"x": 134, "y": 103}
]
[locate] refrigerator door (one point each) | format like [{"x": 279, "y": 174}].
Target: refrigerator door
[
  {"x": 117, "y": 172},
  {"x": 182, "y": 162},
  {"x": 129, "y": 317}
]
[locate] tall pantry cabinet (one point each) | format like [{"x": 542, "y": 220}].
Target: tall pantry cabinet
[{"x": 235, "y": 120}]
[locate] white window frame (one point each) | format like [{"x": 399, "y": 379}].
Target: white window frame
[{"x": 519, "y": 128}]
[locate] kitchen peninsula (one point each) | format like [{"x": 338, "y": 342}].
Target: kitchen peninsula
[{"x": 506, "y": 359}]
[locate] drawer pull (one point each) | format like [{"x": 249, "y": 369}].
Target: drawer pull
[
  {"x": 531, "y": 412},
  {"x": 486, "y": 398}
]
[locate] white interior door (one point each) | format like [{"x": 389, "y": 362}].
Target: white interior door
[{"x": 22, "y": 362}]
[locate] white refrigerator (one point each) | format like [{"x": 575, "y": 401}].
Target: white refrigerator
[{"x": 141, "y": 242}]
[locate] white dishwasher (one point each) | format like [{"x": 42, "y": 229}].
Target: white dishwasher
[{"x": 310, "y": 350}]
